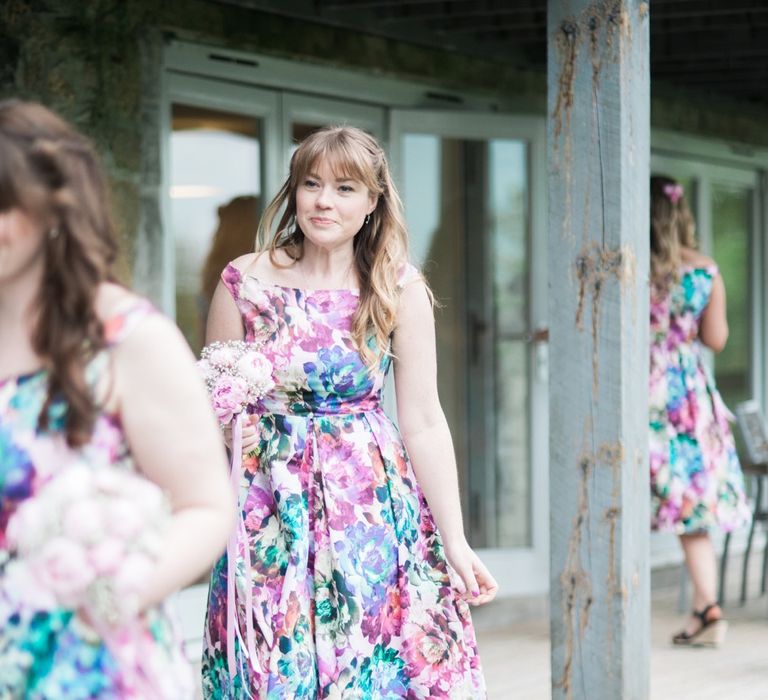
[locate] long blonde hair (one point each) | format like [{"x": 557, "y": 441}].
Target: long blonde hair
[
  {"x": 381, "y": 245},
  {"x": 672, "y": 228}
]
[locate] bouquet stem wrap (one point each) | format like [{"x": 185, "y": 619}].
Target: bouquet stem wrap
[
  {"x": 238, "y": 535},
  {"x": 237, "y": 376}
]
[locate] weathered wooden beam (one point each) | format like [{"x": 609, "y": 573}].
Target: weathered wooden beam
[{"x": 598, "y": 154}]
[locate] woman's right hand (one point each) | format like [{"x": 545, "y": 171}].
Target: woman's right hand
[
  {"x": 250, "y": 434},
  {"x": 478, "y": 586}
]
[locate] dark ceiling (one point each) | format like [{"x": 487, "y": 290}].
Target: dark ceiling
[{"x": 718, "y": 46}]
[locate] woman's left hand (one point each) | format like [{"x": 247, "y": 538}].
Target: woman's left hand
[{"x": 479, "y": 586}]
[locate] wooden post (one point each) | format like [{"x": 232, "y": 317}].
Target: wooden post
[{"x": 598, "y": 154}]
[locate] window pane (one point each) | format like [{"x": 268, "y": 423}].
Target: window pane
[
  {"x": 513, "y": 495},
  {"x": 508, "y": 194},
  {"x": 432, "y": 194},
  {"x": 509, "y": 225},
  {"x": 467, "y": 213},
  {"x": 215, "y": 203},
  {"x": 731, "y": 223}
]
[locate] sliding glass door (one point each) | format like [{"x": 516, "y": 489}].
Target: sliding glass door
[{"x": 474, "y": 212}]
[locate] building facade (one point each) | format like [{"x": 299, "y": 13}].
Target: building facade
[{"x": 196, "y": 107}]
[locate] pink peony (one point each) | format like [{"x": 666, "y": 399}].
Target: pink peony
[
  {"x": 106, "y": 556},
  {"x": 229, "y": 396},
  {"x": 63, "y": 567},
  {"x": 83, "y": 521}
]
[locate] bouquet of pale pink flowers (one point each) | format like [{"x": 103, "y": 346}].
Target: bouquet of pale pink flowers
[
  {"x": 236, "y": 375},
  {"x": 88, "y": 540}
]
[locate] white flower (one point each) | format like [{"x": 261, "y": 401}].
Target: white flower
[
  {"x": 257, "y": 371},
  {"x": 206, "y": 369},
  {"x": 223, "y": 357}
]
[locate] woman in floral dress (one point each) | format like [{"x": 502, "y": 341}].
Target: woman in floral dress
[
  {"x": 347, "y": 584},
  {"x": 91, "y": 379},
  {"x": 696, "y": 480}
]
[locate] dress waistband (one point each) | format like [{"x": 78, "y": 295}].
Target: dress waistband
[{"x": 280, "y": 409}]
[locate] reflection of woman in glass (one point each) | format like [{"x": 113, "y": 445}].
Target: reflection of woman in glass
[
  {"x": 696, "y": 480},
  {"x": 234, "y": 236},
  {"x": 343, "y": 588},
  {"x": 94, "y": 385}
]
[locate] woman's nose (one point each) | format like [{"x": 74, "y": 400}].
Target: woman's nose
[{"x": 323, "y": 198}]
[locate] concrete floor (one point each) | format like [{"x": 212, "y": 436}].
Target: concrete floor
[{"x": 516, "y": 660}]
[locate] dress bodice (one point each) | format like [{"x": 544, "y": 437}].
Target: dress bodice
[
  {"x": 30, "y": 456},
  {"x": 307, "y": 336},
  {"x": 676, "y": 315}
]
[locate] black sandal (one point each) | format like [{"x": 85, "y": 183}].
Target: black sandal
[{"x": 710, "y": 634}]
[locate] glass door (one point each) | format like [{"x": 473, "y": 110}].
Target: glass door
[
  {"x": 473, "y": 194},
  {"x": 219, "y": 165}
]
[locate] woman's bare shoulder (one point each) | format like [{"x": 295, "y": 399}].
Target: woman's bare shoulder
[
  {"x": 261, "y": 265},
  {"x": 112, "y": 298},
  {"x": 246, "y": 263},
  {"x": 694, "y": 257}
]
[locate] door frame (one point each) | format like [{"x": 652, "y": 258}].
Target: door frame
[
  {"x": 519, "y": 571},
  {"x": 317, "y": 110},
  {"x": 196, "y": 91}
]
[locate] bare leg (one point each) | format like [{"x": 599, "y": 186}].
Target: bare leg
[{"x": 701, "y": 563}]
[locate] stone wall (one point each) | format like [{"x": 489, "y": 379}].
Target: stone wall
[{"x": 99, "y": 64}]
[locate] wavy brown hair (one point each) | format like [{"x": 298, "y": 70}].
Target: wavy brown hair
[
  {"x": 381, "y": 245},
  {"x": 51, "y": 172},
  {"x": 672, "y": 227}
]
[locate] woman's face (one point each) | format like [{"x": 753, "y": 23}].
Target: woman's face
[
  {"x": 330, "y": 210},
  {"x": 22, "y": 246}
]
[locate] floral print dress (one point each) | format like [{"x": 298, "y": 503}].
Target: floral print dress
[
  {"x": 696, "y": 479},
  {"x": 51, "y": 654},
  {"x": 340, "y": 570}
]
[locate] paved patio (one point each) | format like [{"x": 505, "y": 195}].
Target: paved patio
[{"x": 517, "y": 660}]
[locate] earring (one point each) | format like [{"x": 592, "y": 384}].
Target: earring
[
  {"x": 53, "y": 234},
  {"x": 367, "y": 219}
]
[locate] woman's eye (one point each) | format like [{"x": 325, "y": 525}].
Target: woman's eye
[
  {"x": 346, "y": 188},
  {"x": 310, "y": 183}
]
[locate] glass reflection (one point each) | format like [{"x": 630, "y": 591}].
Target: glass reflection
[
  {"x": 466, "y": 205},
  {"x": 215, "y": 201}
]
